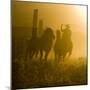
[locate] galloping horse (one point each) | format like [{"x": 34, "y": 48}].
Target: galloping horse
[
  {"x": 63, "y": 45},
  {"x": 66, "y": 48},
  {"x": 45, "y": 42},
  {"x": 41, "y": 44},
  {"x": 57, "y": 45}
]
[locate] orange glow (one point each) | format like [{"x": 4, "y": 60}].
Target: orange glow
[{"x": 53, "y": 16}]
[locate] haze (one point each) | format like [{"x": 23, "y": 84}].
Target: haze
[{"x": 53, "y": 15}]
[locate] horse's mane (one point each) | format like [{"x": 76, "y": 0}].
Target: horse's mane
[{"x": 48, "y": 33}]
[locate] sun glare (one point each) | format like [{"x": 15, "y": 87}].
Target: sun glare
[{"x": 82, "y": 11}]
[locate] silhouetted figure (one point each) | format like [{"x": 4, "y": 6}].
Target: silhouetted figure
[
  {"x": 67, "y": 45},
  {"x": 57, "y": 49},
  {"x": 41, "y": 44},
  {"x": 31, "y": 48},
  {"x": 63, "y": 45},
  {"x": 66, "y": 33},
  {"x": 45, "y": 43}
]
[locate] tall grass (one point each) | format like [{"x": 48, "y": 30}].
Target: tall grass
[{"x": 36, "y": 73}]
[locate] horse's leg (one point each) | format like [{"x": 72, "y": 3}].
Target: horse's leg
[
  {"x": 36, "y": 54},
  {"x": 46, "y": 54},
  {"x": 32, "y": 54},
  {"x": 41, "y": 54},
  {"x": 70, "y": 52},
  {"x": 64, "y": 55}
]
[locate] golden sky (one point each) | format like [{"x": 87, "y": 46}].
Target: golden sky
[{"x": 53, "y": 15}]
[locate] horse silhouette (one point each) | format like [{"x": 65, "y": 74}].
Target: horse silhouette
[
  {"x": 41, "y": 44},
  {"x": 67, "y": 45},
  {"x": 46, "y": 42},
  {"x": 31, "y": 48},
  {"x": 66, "y": 48},
  {"x": 57, "y": 45},
  {"x": 63, "y": 45}
]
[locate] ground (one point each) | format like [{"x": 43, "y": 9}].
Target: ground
[{"x": 35, "y": 73}]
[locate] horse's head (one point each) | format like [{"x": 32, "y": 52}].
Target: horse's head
[{"x": 49, "y": 33}]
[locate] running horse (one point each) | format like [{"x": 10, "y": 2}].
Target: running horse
[
  {"x": 63, "y": 45},
  {"x": 41, "y": 44}
]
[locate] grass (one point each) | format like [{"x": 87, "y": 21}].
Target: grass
[{"x": 36, "y": 73}]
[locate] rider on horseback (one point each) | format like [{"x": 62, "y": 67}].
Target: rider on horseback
[{"x": 66, "y": 40}]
